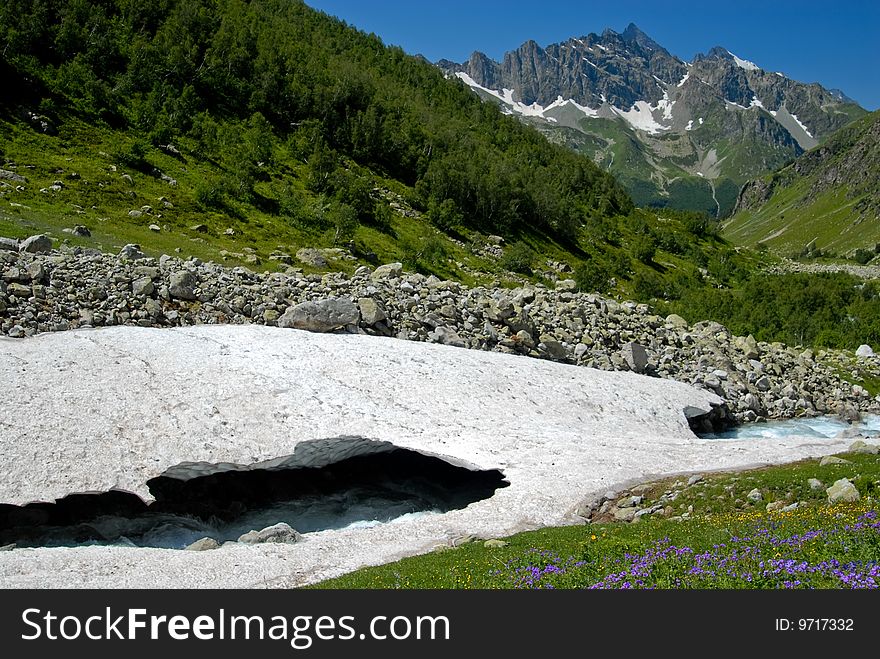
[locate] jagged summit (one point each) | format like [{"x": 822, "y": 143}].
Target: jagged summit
[{"x": 682, "y": 134}]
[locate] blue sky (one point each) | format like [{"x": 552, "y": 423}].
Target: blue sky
[{"x": 834, "y": 43}]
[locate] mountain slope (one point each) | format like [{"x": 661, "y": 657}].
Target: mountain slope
[
  {"x": 685, "y": 135},
  {"x": 828, "y": 199},
  {"x": 274, "y": 121}
]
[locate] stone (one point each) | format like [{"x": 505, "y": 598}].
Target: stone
[
  {"x": 494, "y": 543},
  {"x": 624, "y": 514},
  {"x": 82, "y": 231},
  {"x": 320, "y": 316},
  {"x": 833, "y": 460},
  {"x": 142, "y": 286},
  {"x": 864, "y": 350},
  {"x": 135, "y": 213},
  {"x": 311, "y": 256},
  {"x": 815, "y": 484},
  {"x": 39, "y": 244},
  {"x": 199, "y": 228},
  {"x": 554, "y": 349},
  {"x": 182, "y": 285},
  {"x": 8, "y": 547},
  {"x": 387, "y": 271},
  {"x": 446, "y": 336},
  {"x": 630, "y": 501},
  {"x": 8, "y": 244},
  {"x": 842, "y": 491},
  {"x": 203, "y": 544},
  {"x": 569, "y": 285},
  {"x": 132, "y": 252},
  {"x": 693, "y": 480},
  {"x": 155, "y": 227},
  {"x": 863, "y": 447},
  {"x": 762, "y": 383},
  {"x": 773, "y": 506},
  {"x": 6, "y": 175},
  {"x": 371, "y": 311},
  {"x": 755, "y": 495},
  {"x": 674, "y": 320},
  {"x": 279, "y": 533},
  {"x": 636, "y": 357}
]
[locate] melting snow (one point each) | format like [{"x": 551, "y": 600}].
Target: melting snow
[
  {"x": 701, "y": 121},
  {"x": 744, "y": 63},
  {"x": 690, "y": 125},
  {"x": 640, "y": 116},
  {"x": 683, "y": 80},
  {"x": 590, "y": 63},
  {"x": 756, "y": 103}
]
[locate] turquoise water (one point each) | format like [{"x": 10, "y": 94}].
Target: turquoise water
[{"x": 825, "y": 427}]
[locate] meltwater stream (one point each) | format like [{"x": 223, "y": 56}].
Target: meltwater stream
[
  {"x": 825, "y": 427},
  {"x": 387, "y": 487}
]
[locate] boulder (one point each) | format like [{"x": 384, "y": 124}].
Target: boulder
[
  {"x": 281, "y": 533},
  {"x": 864, "y": 350},
  {"x": 311, "y": 256},
  {"x": 815, "y": 484},
  {"x": 182, "y": 285},
  {"x": 203, "y": 544},
  {"x": 755, "y": 495},
  {"x": 494, "y": 543},
  {"x": 842, "y": 491},
  {"x": 321, "y": 315},
  {"x": 39, "y": 244},
  {"x": 388, "y": 271},
  {"x": 132, "y": 252},
  {"x": 8, "y": 244},
  {"x": 674, "y": 320},
  {"x": 371, "y": 311},
  {"x": 833, "y": 460},
  {"x": 446, "y": 336},
  {"x": 636, "y": 357}
]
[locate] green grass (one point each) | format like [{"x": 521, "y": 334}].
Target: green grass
[{"x": 722, "y": 521}]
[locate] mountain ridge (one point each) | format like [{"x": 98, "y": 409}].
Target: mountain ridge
[{"x": 675, "y": 133}]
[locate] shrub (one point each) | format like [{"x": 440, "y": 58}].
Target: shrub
[{"x": 519, "y": 257}]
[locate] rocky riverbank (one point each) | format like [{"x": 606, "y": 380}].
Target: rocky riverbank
[{"x": 44, "y": 290}]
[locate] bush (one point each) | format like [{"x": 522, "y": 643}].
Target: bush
[
  {"x": 643, "y": 248},
  {"x": 444, "y": 215},
  {"x": 593, "y": 276},
  {"x": 519, "y": 257},
  {"x": 863, "y": 256}
]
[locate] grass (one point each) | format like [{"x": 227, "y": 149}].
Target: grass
[{"x": 725, "y": 541}]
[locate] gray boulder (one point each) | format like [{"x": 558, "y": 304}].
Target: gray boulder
[
  {"x": 9, "y": 244},
  {"x": 280, "y": 533},
  {"x": 388, "y": 271},
  {"x": 842, "y": 491},
  {"x": 311, "y": 256},
  {"x": 864, "y": 350},
  {"x": 833, "y": 460},
  {"x": 371, "y": 311},
  {"x": 447, "y": 336},
  {"x": 321, "y": 315},
  {"x": 815, "y": 484},
  {"x": 203, "y": 544},
  {"x": 132, "y": 252},
  {"x": 636, "y": 357},
  {"x": 182, "y": 285},
  {"x": 39, "y": 244}
]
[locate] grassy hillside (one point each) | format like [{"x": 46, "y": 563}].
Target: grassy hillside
[
  {"x": 826, "y": 199},
  {"x": 244, "y": 131}
]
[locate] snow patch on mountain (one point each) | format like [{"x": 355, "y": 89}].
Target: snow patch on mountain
[
  {"x": 744, "y": 63},
  {"x": 641, "y": 117}
]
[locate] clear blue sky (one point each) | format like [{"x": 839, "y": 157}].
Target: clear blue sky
[{"x": 835, "y": 43}]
